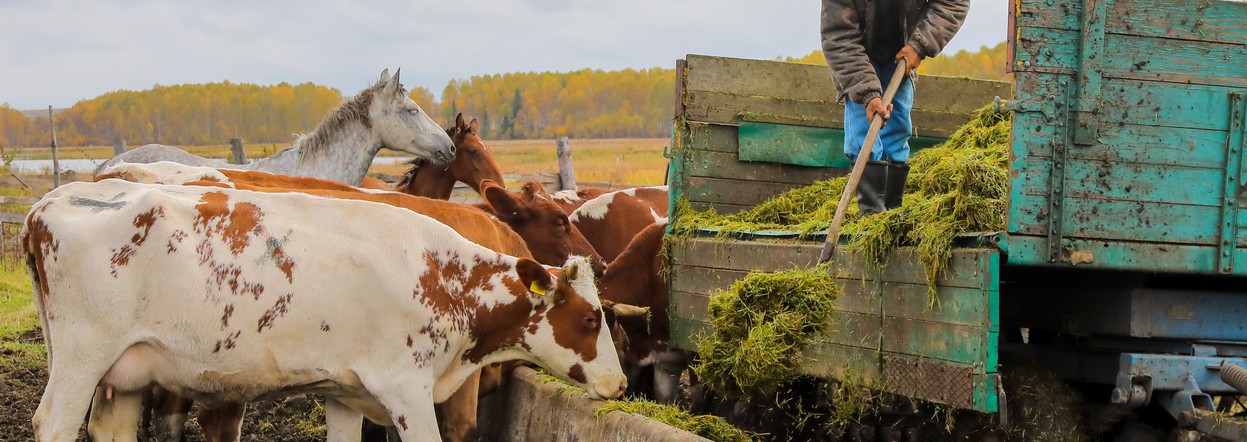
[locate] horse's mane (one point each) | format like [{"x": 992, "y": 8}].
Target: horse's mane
[{"x": 355, "y": 109}]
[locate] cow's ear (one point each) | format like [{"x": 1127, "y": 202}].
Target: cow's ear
[
  {"x": 534, "y": 276},
  {"x": 502, "y": 201}
]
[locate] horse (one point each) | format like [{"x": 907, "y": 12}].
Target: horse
[
  {"x": 342, "y": 147},
  {"x": 474, "y": 162}
]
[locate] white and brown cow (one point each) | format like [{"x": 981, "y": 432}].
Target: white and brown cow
[
  {"x": 610, "y": 220},
  {"x": 225, "y": 296}
]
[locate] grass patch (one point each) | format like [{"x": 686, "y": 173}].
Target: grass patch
[
  {"x": 709, "y": 427},
  {"x": 762, "y": 323},
  {"x": 19, "y": 320}
]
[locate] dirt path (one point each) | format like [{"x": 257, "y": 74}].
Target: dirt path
[{"x": 21, "y": 386}]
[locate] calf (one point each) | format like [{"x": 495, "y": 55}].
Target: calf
[
  {"x": 534, "y": 216},
  {"x": 239, "y": 296},
  {"x": 610, "y": 221}
]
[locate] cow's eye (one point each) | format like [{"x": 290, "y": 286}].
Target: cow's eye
[{"x": 591, "y": 322}]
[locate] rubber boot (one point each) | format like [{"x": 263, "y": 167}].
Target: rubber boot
[
  {"x": 871, "y": 187},
  {"x": 894, "y": 190}
]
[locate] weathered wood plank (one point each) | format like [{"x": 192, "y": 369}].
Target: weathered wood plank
[
  {"x": 719, "y": 207},
  {"x": 963, "y": 269},
  {"x": 745, "y": 255},
  {"x": 1132, "y": 102},
  {"x": 1125, "y": 181},
  {"x": 712, "y": 137},
  {"x": 935, "y": 340},
  {"x": 725, "y": 165},
  {"x": 1025, "y": 250},
  {"x": 702, "y": 280},
  {"x": 18, "y": 199},
  {"x": 957, "y": 305},
  {"x": 14, "y": 218},
  {"x": 788, "y": 144},
  {"x": 1197, "y": 20},
  {"x": 731, "y": 191},
  {"x": 1134, "y": 57},
  {"x": 685, "y": 332},
  {"x": 838, "y": 361},
  {"x": 1161, "y": 146},
  {"x": 854, "y": 329},
  {"x": 692, "y": 306},
  {"x": 1088, "y": 218}
]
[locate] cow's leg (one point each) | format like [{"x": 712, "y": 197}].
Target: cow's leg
[
  {"x": 668, "y": 367},
  {"x": 169, "y": 414},
  {"x": 410, "y": 403},
  {"x": 342, "y": 422},
  {"x": 223, "y": 423},
  {"x": 457, "y": 415},
  {"x": 115, "y": 419},
  {"x": 72, "y": 379}
]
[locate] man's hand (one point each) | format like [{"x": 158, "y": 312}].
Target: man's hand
[
  {"x": 875, "y": 107},
  {"x": 912, "y": 59}
]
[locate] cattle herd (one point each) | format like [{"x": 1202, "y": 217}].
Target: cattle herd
[{"x": 195, "y": 284}]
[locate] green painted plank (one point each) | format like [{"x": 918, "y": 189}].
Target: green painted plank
[
  {"x": 691, "y": 306},
  {"x": 934, "y": 340},
  {"x": 1027, "y": 250},
  {"x": 986, "y": 398},
  {"x": 1134, "y": 102},
  {"x": 788, "y": 144},
  {"x": 712, "y": 137},
  {"x": 1134, "y": 57},
  {"x": 1125, "y": 143},
  {"x": 963, "y": 269},
  {"x": 702, "y": 280},
  {"x": 1102, "y": 219},
  {"x": 685, "y": 332},
  {"x": 1202, "y": 20},
  {"x": 854, "y": 329},
  {"x": 1124, "y": 181},
  {"x": 957, "y": 305},
  {"x": 726, "y": 165}
]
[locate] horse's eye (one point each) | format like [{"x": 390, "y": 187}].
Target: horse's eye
[
  {"x": 474, "y": 152},
  {"x": 415, "y": 111}
]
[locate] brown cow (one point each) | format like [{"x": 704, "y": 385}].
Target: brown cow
[
  {"x": 611, "y": 220},
  {"x": 474, "y": 162},
  {"x": 533, "y": 215},
  {"x": 570, "y": 200},
  {"x": 635, "y": 278}
]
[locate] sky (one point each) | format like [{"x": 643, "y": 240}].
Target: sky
[{"x": 57, "y": 52}]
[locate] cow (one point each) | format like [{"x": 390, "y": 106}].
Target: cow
[
  {"x": 610, "y": 221},
  {"x": 570, "y": 200},
  {"x": 222, "y": 424},
  {"x": 635, "y": 278},
  {"x": 228, "y": 296},
  {"x": 533, "y": 214}
]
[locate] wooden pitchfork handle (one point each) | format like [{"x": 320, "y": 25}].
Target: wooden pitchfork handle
[{"x": 833, "y": 232}]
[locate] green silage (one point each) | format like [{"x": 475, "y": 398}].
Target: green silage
[{"x": 762, "y": 324}]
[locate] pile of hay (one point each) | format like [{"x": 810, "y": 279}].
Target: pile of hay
[
  {"x": 807, "y": 210},
  {"x": 762, "y": 325},
  {"x": 709, "y": 427}
]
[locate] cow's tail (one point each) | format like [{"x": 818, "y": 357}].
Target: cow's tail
[{"x": 32, "y": 268}]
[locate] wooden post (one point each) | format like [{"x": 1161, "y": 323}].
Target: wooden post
[
  {"x": 119, "y": 146},
  {"x": 567, "y": 175},
  {"x": 235, "y": 147},
  {"x": 56, "y": 164}
]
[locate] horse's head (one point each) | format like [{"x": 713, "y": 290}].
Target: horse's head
[
  {"x": 474, "y": 161},
  {"x": 401, "y": 125}
]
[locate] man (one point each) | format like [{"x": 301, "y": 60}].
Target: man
[{"x": 862, "y": 40}]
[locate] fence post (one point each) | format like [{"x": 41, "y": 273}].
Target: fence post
[
  {"x": 56, "y": 164},
  {"x": 567, "y": 174},
  {"x": 235, "y": 147},
  {"x": 119, "y": 146}
]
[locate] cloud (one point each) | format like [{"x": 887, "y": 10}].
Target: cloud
[{"x": 59, "y": 51}]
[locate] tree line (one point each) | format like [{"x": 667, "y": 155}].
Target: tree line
[{"x": 587, "y": 103}]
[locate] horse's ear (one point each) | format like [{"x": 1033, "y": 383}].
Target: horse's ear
[
  {"x": 459, "y": 123},
  {"x": 393, "y": 87},
  {"x": 385, "y": 76},
  {"x": 474, "y": 127}
]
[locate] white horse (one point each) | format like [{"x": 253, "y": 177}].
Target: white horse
[{"x": 342, "y": 147}]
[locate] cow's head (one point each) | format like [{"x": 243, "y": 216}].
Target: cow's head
[
  {"x": 567, "y": 334},
  {"x": 551, "y": 237}
]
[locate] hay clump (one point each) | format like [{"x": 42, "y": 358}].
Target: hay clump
[
  {"x": 807, "y": 210},
  {"x": 762, "y": 323},
  {"x": 709, "y": 427}
]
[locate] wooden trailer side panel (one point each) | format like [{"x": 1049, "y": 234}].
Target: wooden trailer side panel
[{"x": 884, "y": 332}]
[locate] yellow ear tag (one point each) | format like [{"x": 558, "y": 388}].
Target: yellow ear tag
[{"x": 536, "y": 289}]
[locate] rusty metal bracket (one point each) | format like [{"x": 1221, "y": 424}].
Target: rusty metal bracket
[
  {"x": 1056, "y": 197},
  {"x": 1087, "y": 125},
  {"x": 1232, "y": 181}
]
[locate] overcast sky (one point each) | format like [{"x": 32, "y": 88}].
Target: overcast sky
[{"x": 58, "y": 52}]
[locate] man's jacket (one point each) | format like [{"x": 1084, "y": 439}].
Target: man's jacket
[{"x": 848, "y": 31}]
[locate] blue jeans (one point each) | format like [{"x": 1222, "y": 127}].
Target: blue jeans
[{"x": 893, "y": 141}]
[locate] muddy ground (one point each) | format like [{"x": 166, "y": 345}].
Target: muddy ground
[{"x": 21, "y": 386}]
